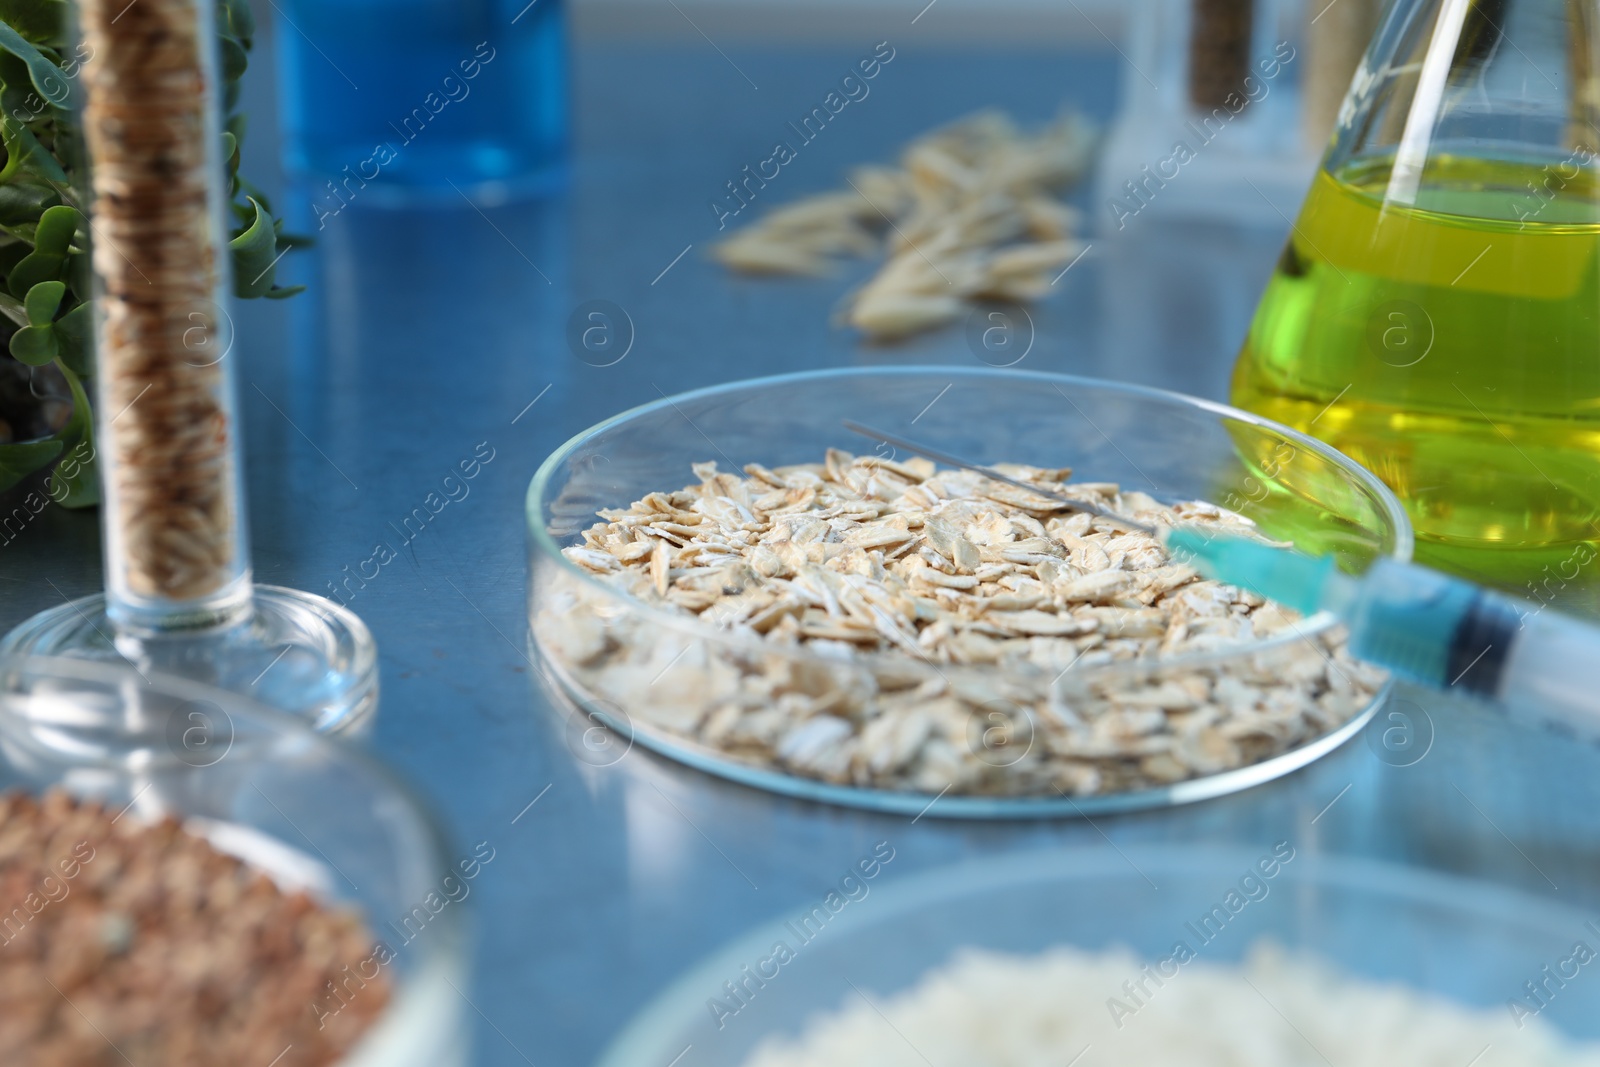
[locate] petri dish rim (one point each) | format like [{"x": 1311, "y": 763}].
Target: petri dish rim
[
  {"x": 276, "y": 722},
  {"x": 974, "y": 807},
  {"x": 640, "y": 1040}
]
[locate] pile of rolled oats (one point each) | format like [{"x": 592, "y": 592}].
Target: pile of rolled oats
[
  {"x": 892, "y": 625},
  {"x": 970, "y": 214}
]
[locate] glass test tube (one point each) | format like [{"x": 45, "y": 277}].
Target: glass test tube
[{"x": 175, "y": 546}]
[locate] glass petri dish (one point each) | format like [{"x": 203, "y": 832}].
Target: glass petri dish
[
  {"x": 261, "y": 785},
  {"x": 1468, "y": 942},
  {"x": 1171, "y": 447}
]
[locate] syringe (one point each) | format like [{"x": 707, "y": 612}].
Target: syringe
[{"x": 1424, "y": 626}]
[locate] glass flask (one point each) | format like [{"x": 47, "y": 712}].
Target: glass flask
[
  {"x": 391, "y": 101},
  {"x": 1435, "y": 313}
]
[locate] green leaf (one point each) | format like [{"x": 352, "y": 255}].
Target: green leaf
[
  {"x": 73, "y": 483},
  {"x": 254, "y": 193},
  {"x": 230, "y": 155},
  {"x": 13, "y": 310},
  {"x": 19, "y": 98},
  {"x": 234, "y": 58},
  {"x": 35, "y": 345},
  {"x": 67, "y": 147},
  {"x": 18, "y": 81},
  {"x": 239, "y": 19},
  {"x": 17, "y": 461},
  {"x": 255, "y": 253},
  {"x": 57, "y": 227},
  {"x": 75, "y": 337},
  {"x": 15, "y": 72},
  {"x": 12, "y": 253},
  {"x": 25, "y": 155},
  {"x": 21, "y": 203},
  {"x": 43, "y": 301},
  {"x": 41, "y": 21},
  {"x": 46, "y": 76},
  {"x": 35, "y": 268},
  {"x": 80, "y": 276}
]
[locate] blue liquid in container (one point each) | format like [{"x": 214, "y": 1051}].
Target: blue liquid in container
[{"x": 386, "y": 98}]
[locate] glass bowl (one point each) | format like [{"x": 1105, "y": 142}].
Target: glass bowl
[
  {"x": 260, "y": 785},
  {"x": 673, "y": 672},
  {"x": 1470, "y": 943}
]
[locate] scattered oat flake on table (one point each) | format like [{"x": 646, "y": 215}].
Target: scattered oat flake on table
[
  {"x": 896, "y": 626},
  {"x": 969, "y": 214}
]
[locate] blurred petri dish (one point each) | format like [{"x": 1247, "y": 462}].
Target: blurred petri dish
[
  {"x": 1470, "y": 943},
  {"x": 310, "y": 811}
]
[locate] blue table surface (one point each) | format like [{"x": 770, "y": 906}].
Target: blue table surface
[{"x": 428, "y": 331}]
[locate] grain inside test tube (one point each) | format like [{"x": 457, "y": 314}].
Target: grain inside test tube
[{"x": 171, "y": 466}]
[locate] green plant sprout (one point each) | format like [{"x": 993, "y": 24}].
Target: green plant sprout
[{"x": 46, "y": 280}]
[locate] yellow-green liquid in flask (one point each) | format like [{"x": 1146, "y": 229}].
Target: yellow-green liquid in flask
[{"x": 1452, "y": 346}]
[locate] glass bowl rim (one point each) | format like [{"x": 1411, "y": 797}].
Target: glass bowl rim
[
  {"x": 440, "y": 954},
  {"x": 666, "y": 1010},
  {"x": 547, "y": 547},
  {"x": 275, "y": 723}
]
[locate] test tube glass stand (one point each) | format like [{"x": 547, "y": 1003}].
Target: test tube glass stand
[
  {"x": 179, "y": 594},
  {"x": 1210, "y": 126}
]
